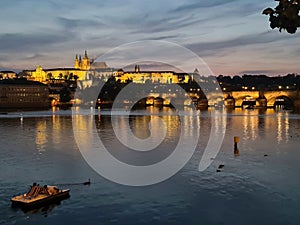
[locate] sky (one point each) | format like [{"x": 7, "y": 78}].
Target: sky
[{"x": 231, "y": 36}]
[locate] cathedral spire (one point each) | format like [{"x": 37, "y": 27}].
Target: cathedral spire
[
  {"x": 137, "y": 68},
  {"x": 76, "y": 64},
  {"x": 85, "y": 54}
]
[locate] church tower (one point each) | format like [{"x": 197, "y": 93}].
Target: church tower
[
  {"x": 85, "y": 65},
  {"x": 137, "y": 68},
  {"x": 76, "y": 64}
]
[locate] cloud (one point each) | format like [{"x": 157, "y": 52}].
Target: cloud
[
  {"x": 79, "y": 23},
  {"x": 201, "y": 4},
  {"x": 257, "y": 72},
  {"x": 208, "y": 48},
  {"x": 34, "y": 56},
  {"x": 158, "y": 38},
  {"x": 15, "y": 42},
  {"x": 166, "y": 24}
]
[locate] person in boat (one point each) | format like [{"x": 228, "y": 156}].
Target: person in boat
[
  {"x": 44, "y": 190},
  {"x": 35, "y": 190},
  {"x": 32, "y": 190}
]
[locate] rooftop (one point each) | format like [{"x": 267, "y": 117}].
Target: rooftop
[{"x": 20, "y": 81}]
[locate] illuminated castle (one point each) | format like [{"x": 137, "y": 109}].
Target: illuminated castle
[
  {"x": 84, "y": 69},
  {"x": 81, "y": 66}
]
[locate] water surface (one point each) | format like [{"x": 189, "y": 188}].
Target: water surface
[{"x": 261, "y": 186}]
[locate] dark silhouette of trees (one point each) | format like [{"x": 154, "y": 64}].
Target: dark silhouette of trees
[
  {"x": 65, "y": 94},
  {"x": 49, "y": 76},
  {"x": 75, "y": 77},
  {"x": 285, "y": 15},
  {"x": 260, "y": 82}
]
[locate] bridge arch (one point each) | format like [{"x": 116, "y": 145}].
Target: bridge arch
[
  {"x": 283, "y": 102},
  {"x": 243, "y": 98},
  {"x": 248, "y": 102},
  {"x": 263, "y": 98},
  {"x": 291, "y": 95}
]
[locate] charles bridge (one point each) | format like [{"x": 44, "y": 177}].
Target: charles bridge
[
  {"x": 233, "y": 99},
  {"x": 263, "y": 99}
]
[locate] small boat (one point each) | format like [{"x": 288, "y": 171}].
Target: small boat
[{"x": 39, "y": 196}]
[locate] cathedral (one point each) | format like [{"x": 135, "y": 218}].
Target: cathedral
[{"x": 82, "y": 64}]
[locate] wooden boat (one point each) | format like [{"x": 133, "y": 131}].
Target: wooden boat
[{"x": 40, "y": 196}]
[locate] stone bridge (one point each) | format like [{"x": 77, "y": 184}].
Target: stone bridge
[
  {"x": 262, "y": 98},
  {"x": 232, "y": 99}
]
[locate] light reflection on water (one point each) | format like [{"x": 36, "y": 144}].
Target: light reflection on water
[{"x": 251, "y": 189}]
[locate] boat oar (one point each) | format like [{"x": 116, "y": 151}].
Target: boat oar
[{"x": 83, "y": 183}]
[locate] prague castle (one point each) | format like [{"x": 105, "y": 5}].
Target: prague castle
[
  {"x": 81, "y": 66},
  {"x": 84, "y": 69}
]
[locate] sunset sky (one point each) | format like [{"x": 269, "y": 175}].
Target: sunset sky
[{"x": 231, "y": 36}]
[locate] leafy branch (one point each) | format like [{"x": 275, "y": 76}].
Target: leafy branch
[{"x": 285, "y": 15}]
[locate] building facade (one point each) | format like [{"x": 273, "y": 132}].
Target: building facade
[
  {"x": 7, "y": 74},
  {"x": 21, "y": 93},
  {"x": 161, "y": 77}
]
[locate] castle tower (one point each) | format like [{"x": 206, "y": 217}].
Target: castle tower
[
  {"x": 85, "y": 65},
  {"x": 76, "y": 64}
]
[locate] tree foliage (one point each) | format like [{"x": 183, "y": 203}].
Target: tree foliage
[
  {"x": 285, "y": 15},
  {"x": 65, "y": 95}
]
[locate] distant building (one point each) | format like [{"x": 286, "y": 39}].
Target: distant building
[
  {"x": 46, "y": 75},
  {"x": 21, "y": 93},
  {"x": 81, "y": 66},
  {"x": 7, "y": 75},
  {"x": 101, "y": 70},
  {"x": 162, "y": 77}
]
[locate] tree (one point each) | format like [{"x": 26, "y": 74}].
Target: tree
[
  {"x": 285, "y": 15},
  {"x": 49, "y": 76},
  {"x": 75, "y": 77},
  {"x": 71, "y": 76},
  {"x": 65, "y": 95}
]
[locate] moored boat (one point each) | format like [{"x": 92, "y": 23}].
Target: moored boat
[{"x": 39, "y": 196}]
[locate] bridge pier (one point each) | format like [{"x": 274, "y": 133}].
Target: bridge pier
[
  {"x": 229, "y": 103},
  {"x": 262, "y": 102},
  {"x": 202, "y": 104}
]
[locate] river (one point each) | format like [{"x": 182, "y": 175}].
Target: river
[{"x": 260, "y": 186}]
